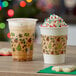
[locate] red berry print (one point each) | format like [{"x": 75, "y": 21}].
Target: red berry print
[
  {"x": 51, "y": 26},
  {"x": 54, "y": 45},
  {"x": 54, "y": 21},
  {"x": 61, "y": 52},
  {"x": 51, "y": 17},
  {"x": 60, "y": 25},
  {"x": 47, "y": 38},
  {"x": 15, "y": 40},
  {"x": 54, "y": 25},
  {"x": 47, "y": 24},
  {"x": 58, "y": 39},
  {"x": 52, "y": 52},
  {"x": 29, "y": 40},
  {"x": 41, "y": 25},
  {"x": 59, "y": 20},
  {"x": 55, "y": 17}
]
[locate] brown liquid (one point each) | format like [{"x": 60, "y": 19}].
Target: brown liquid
[{"x": 22, "y": 45}]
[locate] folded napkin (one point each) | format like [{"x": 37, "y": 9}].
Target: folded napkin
[{"x": 50, "y": 71}]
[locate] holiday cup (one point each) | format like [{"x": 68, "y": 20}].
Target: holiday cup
[
  {"x": 22, "y": 32},
  {"x": 54, "y": 42}
]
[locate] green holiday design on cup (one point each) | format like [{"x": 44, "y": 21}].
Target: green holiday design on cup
[
  {"x": 12, "y": 34},
  {"x": 26, "y": 34},
  {"x": 19, "y": 47},
  {"x": 13, "y": 49},
  {"x": 49, "y": 46},
  {"x": 54, "y": 44},
  {"x": 31, "y": 47},
  {"x": 22, "y": 39}
]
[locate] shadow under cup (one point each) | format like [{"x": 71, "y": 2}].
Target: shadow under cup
[
  {"x": 54, "y": 42},
  {"x": 22, "y": 32}
]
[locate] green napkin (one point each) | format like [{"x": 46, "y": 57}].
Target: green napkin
[{"x": 50, "y": 71}]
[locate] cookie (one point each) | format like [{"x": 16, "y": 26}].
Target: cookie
[
  {"x": 5, "y": 52},
  {"x": 57, "y": 68},
  {"x": 66, "y": 68}
]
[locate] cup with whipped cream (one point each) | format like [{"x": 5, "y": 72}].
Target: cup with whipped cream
[
  {"x": 54, "y": 39},
  {"x": 22, "y": 32}
]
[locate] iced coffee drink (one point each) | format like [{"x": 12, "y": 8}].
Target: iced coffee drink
[{"x": 22, "y": 32}]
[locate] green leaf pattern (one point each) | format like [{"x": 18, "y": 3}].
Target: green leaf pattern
[
  {"x": 54, "y": 44},
  {"x": 49, "y": 46},
  {"x": 31, "y": 47},
  {"x": 59, "y": 46},
  {"x": 21, "y": 40},
  {"x": 18, "y": 47},
  {"x": 26, "y": 34},
  {"x": 12, "y": 34},
  {"x": 13, "y": 49}
]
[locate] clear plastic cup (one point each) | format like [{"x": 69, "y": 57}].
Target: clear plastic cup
[
  {"x": 54, "y": 42},
  {"x": 22, "y": 32}
]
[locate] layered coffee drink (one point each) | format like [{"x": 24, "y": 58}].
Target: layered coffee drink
[
  {"x": 54, "y": 39},
  {"x": 22, "y": 32}
]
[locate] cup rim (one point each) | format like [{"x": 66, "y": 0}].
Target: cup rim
[
  {"x": 21, "y": 19},
  {"x": 52, "y": 27}
]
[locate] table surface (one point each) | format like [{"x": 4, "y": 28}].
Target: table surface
[{"x": 8, "y": 67}]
